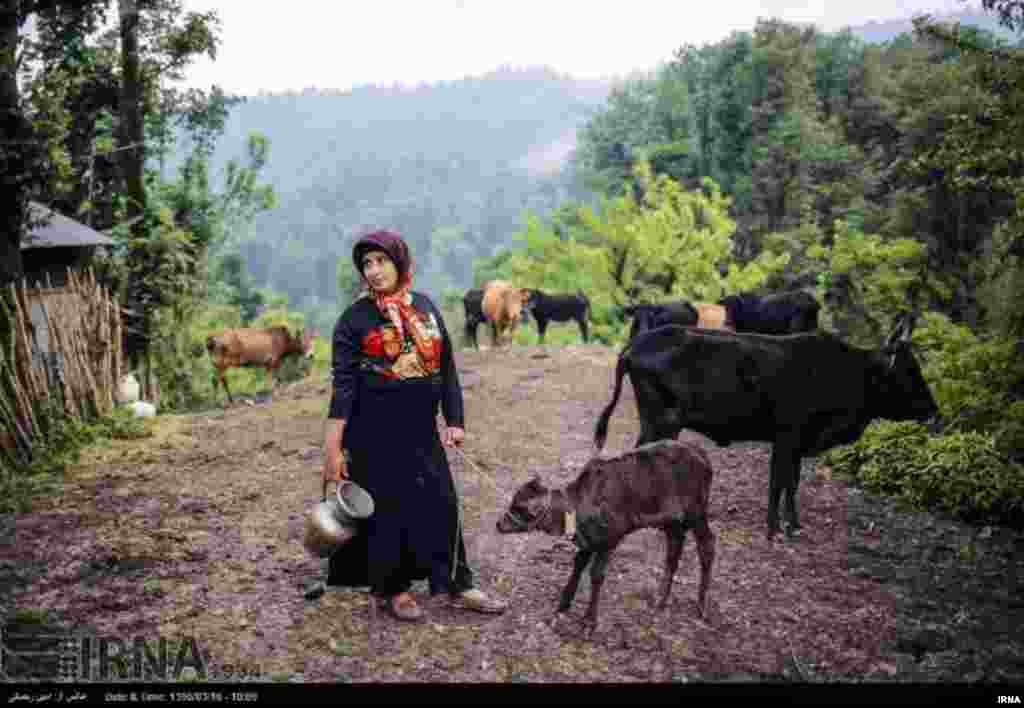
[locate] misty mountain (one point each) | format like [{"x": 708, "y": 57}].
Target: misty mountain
[{"x": 450, "y": 165}]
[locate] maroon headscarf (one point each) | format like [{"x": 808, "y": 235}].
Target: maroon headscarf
[
  {"x": 396, "y": 306},
  {"x": 393, "y": 245}
]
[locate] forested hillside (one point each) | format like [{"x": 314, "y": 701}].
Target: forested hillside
[
  {"x": 784, "y": 119},
  {"x": 845, "y": 158},
  {"x": 451, "y": 165}
]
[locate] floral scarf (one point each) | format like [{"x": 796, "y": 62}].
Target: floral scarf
[{"x": 397, "y": 306}]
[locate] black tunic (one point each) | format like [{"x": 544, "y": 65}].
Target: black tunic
[{"x": 395, "y": 453}]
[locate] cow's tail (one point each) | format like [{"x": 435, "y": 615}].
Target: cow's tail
[{"x": 601, "y": 431}]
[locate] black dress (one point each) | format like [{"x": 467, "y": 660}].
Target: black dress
[{"x": 395, "y": 453}]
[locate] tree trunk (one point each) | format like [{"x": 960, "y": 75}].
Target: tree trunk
[
  {"x": 14, "y": 137},
  {"x": 132, "y": 159},
  {"x": 132, "y": 163}
]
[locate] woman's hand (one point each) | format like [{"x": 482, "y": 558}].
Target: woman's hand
[
  {"x": 335, "y": 467},
  {"x": 454, "y": 436}
]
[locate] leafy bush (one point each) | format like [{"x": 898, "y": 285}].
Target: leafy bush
[
  {"x": 964, "y": 473},
  {"x": 1009, "y": 435},
  {"x": 974, "y": 381},
  {"x": 881, "y": 456},
  {"x": 960, "y": 472},
  {"x": 1001, "y": 274}
]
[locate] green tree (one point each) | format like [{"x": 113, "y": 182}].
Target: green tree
[
  {"x": 785, "y": 125},
  {"x": 674, "y": 243},
  {"x": 866, "y": 280},
  {"x": 732, "y": 117},
  {"x": 959, "y": 175},
  {"x": 24, "y": 154}
]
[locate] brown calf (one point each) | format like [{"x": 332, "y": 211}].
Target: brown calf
[
  {"x": 262, "y": 346},
  {"x": 662, "y": 485},
  {"x": 503, "y": 306}
]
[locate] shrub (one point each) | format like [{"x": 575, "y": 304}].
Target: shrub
[
  {"x": 1009, "y": 433},
  {"x": 963, "y": 473},
  {"x": 972, "y": 379},
  {"x": 882, "y": 456}
]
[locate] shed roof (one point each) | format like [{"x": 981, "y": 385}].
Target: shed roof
[{"x": 60, "y": 231}]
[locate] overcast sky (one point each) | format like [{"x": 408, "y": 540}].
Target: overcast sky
[{"x": 342, "y": 43}]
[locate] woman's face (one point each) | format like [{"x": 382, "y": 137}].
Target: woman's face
[{"x": 380, "y": 272}]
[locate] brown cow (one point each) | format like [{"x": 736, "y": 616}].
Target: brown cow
[
  {"x": 664, "y": 485},
  {"x": 502, "y": 307},
  {"x": 263, "y": 346},
  {"x": 712, "y": 317},
  {"x": 701, "y": 315}
]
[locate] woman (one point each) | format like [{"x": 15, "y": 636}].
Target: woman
[{"x": 393, "y": 365}]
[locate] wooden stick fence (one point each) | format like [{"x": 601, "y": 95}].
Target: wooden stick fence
[{"x": 83, "y": 324}]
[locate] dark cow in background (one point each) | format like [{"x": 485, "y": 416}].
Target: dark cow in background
[
  {"x": 781, "y": 313},
  {"x": 472, "y": 301},
  {"x": 544, "y": 308},
  {"x": 803, "y": 393},
  {"x": 665, "y": 485},
  {"x": 653, "y": 315}
]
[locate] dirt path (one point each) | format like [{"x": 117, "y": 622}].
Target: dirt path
[{"x": 198, "y": 533}]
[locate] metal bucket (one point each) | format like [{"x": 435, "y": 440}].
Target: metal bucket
[{"x": 332, "y": 523}]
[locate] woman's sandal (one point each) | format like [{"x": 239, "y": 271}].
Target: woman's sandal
[
  {"x": 474, "y": 599},
  {"x": 403, "y": 607}
]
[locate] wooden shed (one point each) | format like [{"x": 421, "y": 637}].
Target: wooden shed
[{"x": 55, "y": 244}]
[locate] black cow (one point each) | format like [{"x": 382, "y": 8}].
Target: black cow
[
  {"x": 804, "y": 393},
  {"x": 472, "y": 301},
  {"x": 653, "y": 315},
  {"x": 559, "y": 308},
  {"x": 781, "y": 313}
]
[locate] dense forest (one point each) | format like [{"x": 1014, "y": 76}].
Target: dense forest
[{"x": 840, "y": 156}]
